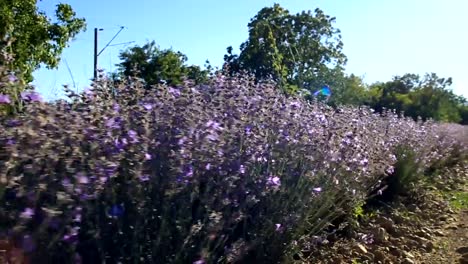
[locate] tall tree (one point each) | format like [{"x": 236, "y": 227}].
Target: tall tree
[
  {"x": 292, "y": 49},
  {"x": 35, "y": 39},
  {"x": 155, "y": 65}
]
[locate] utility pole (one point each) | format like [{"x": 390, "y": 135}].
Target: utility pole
[{"x": 96, "y": 54}]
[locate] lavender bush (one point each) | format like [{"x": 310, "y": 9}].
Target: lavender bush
[{"x": 226, "y": 172}]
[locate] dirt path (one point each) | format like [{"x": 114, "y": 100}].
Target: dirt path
[
  {"x": 431, "y": 228},
  {"x": 452, "y": 240}
]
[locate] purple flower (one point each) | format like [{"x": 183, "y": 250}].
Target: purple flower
[
  {"x": 212, "y": 137},
  {"x": 364, "y": 162},
  {"x": 112, "y": 123},
  {"x": 13, "y": 123},
  {"x": 174, "y": 91},
  {"x": 120, "y": 144},
  {"x": 274, "y": 181},
  {"x": 208, "y": 166},
  {"x": 132, "y": 134},
  {"x": 116, "y": 107},
  {"x": 110, "y": 169},
  {"x": 295, "y": 104},
  {"x": 103, "y": 179},
  {"x": 189, "y": 171},
  {"x": 66, "y": 183},
  {"x": 148, "y": 106},
  {"x": 82, "y": 178},
  {"x": 390, "y": 170},
  {"x": 31, "y": 96},
  {"x": 213, "y": 125},
  {"x": 88, "y": 92},
  {"x": 72, "y": 235},
  {"x": 147, "y": 156},
  {"x": 318, "y": 189},
  {"x": 77, "y": 218},
  {"x": 278, "y": 227},
  {"x": 12, "y": 78},
  {"x": 242, "y": 169},
  {"x": 248, "y": 129},
  {"x": 144, "y": 178},
  {"x": 27, "y": 213},
  {"x": 5, "y": 99}
]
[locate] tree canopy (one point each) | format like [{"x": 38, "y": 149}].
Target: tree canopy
[
  {"x": 34, "y": 37},
  {"x": 155, "y": 65},
  {"x": 292, "y": 49},
  {"x": 428, "y": 97}
]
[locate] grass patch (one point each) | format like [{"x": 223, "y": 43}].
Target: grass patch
[{"x": 459, "y": 200}]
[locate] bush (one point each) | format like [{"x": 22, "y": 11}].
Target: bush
[{"x": 224, "y": 172}]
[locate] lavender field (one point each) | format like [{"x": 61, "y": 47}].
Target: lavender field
[{"x": 225, "y": 172}]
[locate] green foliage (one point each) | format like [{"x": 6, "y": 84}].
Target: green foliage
[
  {"x": 427, "y": 97},
  {"x": 407, "y": 172},
  {"x": 463, "y": 110},
  {"x": 291, "y": 49},
  {"x": 346, "y": 89},
  {"x": 11, "y": 87},
  {"x": 35, "y": 39},
  {"x": 459, "y": 200},
  {"x": 156, "y": 66}
]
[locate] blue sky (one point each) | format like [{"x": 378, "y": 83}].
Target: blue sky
[{"x": 382, "y": 38}]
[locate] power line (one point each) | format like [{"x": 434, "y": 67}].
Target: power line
[
  {"x": 96, "y": 54},
  {"x": 107, "y": 45},
  {"x": 123, "y": 43}
]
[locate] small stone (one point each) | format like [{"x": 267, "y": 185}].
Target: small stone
[
  {"x": 439, "y": 233},
  {"x": 413, "y": 243},
  {"x": 425, "y": 229},
  {"x": 408, "y": 255},
  {"x": 423, "y": 234},
  {"x": 361, "y": 248},
  {"x": 443, "y": 218},
  {"x": 462, "y": 250},
  {"x": 394, "y": 251},
  {"x": 379, "y": 256},
  {"x": 380, "y": 235},
  {"x": 429, "y": 246},
  {"x": 407, "y": 261},
  {"x": 386, "y": 223}
]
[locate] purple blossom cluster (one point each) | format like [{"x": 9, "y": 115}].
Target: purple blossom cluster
[{"x": 192, "y": 174}]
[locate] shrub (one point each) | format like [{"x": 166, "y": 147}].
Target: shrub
[{"x": 224, "y": 172}]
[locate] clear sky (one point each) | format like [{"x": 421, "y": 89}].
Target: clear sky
[{"x": 382, "y": 38}]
